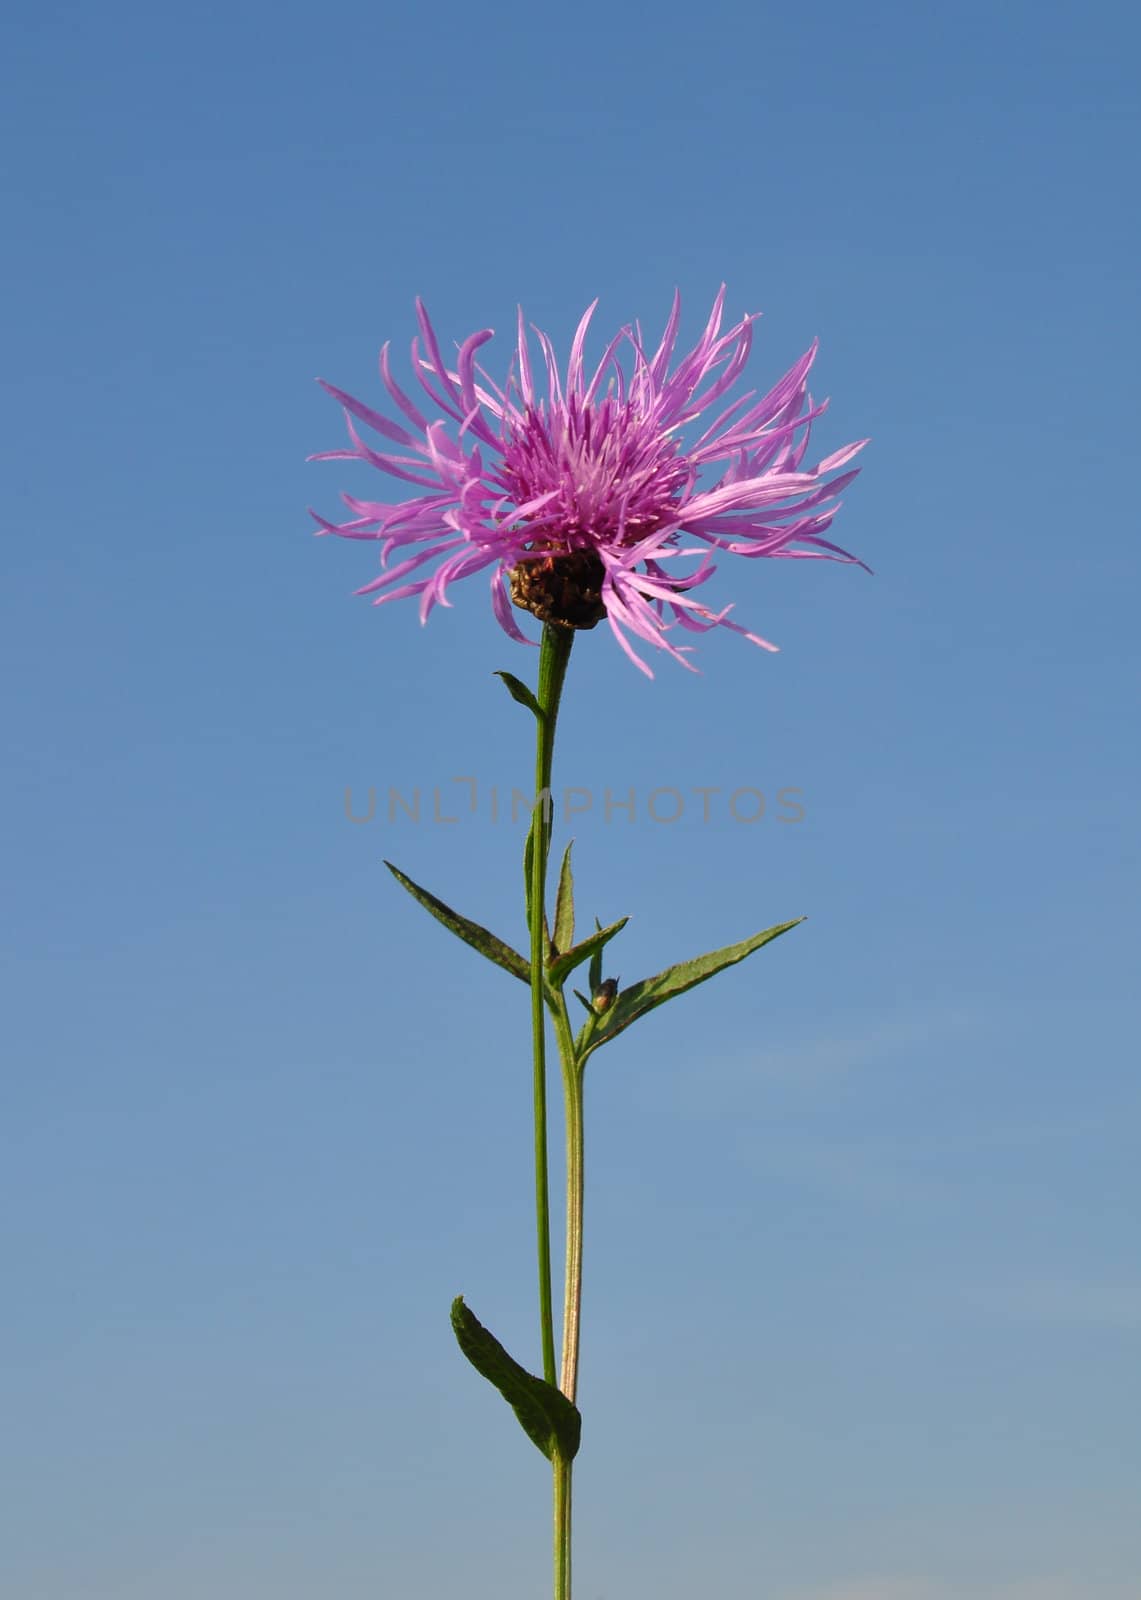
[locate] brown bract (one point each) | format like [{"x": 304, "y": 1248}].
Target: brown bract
[{"x": 563, "y": 589}]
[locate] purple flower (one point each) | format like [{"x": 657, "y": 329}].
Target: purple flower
[{"x": 577, "y": 494}]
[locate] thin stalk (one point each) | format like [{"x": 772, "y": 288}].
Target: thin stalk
[
  {"x": 554, "y": 654},
  {"x": 562, "y": 1522}
]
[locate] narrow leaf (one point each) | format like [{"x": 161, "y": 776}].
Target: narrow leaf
[
  {"x": 528, "y": 858},
  {"x": 590, "y": 949},
  {"x": 528, "y": 862},
  {"x": 564, "y": 904},
  {"x": 548, "y": 1418},
  {"x": 645, "y": 996},
  {"x": 470, "y": 932},
  {"x": 520, "y": 692},
  {"x": 594, "y": 976}
]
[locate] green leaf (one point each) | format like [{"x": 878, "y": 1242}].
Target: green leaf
[
  {"x": 564, "y": 904},
  {"x": 528, "y": 859},
  {"x": 594, "y": 976},
  {"x": 520, "y": 692},
  {"x": 642, "y": 997},
  {"x": 548, "y": 1418},
  {"x": 578, "y": 994},
  {"x": 561, "y": 968},
  {"x": 470, "y": 932}
]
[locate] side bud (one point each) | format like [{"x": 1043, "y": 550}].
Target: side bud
[{"x": 603, "y": 997}]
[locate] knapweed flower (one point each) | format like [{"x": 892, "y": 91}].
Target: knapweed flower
[{"x": 577, "y": 494}]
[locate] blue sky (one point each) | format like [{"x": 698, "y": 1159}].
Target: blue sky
[{"x": 863, "y": 1299}]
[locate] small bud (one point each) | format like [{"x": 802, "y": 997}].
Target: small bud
[{"x": 604, "y": 995}]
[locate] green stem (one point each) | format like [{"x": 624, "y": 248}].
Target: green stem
[
  {"x": 554, "y": 654},
  {"x": 562, "y": 1521}
]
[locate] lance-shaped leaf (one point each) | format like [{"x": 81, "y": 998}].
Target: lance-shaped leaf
[
  {"x": 548, "y": 1418},
  {"x": 528, "y": 860},
  {"x": 564, "y": 904},
  {"x": 520, "y": 692},
  {"x": 642, "y": 997},
  {"x": 528, "y": 863},
  {"x": 594, "y": 976},
  {"x": 470, "y": 932},
  {"x": 589, "y": 950}
]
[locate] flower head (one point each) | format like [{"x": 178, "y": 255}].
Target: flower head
[{"x": 576, "y": 492}]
